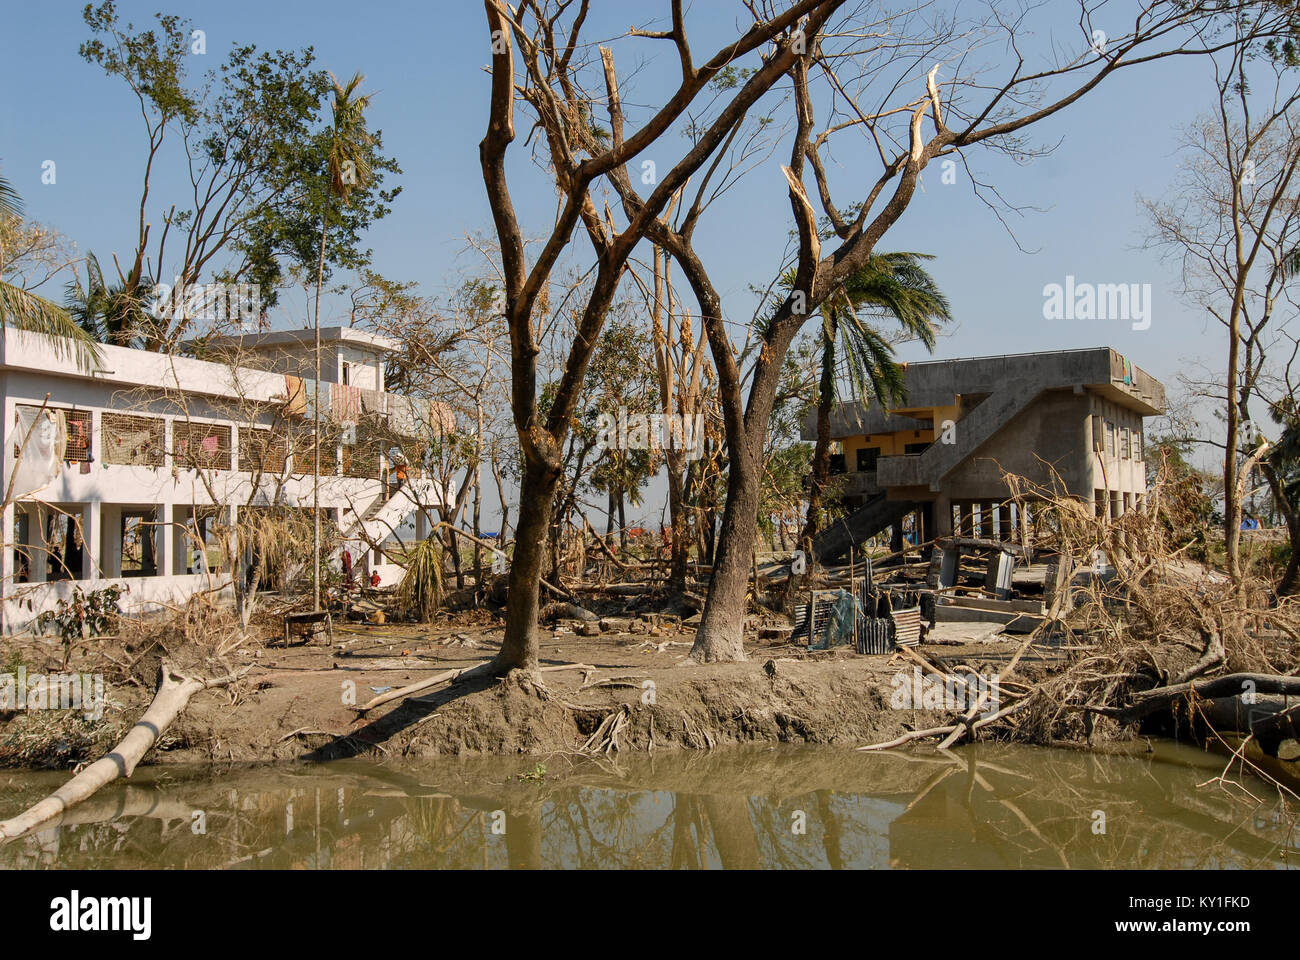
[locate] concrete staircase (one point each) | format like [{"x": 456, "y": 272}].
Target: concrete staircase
[
  {"x": 385, "y": 515},
  {"x": 833, "y": 542},
  {"x": 972, "y": 431}
]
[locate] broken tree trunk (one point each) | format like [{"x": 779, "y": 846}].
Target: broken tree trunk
[{"x": 174, "y": 693}]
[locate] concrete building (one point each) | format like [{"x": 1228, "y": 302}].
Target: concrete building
[
  {"x": 942, "y": 455},
  {"x": 133, "y": 473}
]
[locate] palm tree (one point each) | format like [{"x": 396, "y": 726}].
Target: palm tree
[
  {"x": 33, "y": 313},
  {"x": 891, "y": 286},
  {"x": 109, "y": 314},
  {"x": 348, "y": 165}
]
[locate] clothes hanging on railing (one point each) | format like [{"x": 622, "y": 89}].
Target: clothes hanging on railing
[
  {"x": 345, "y": 402},
  {"x": 295, "y": 391}
]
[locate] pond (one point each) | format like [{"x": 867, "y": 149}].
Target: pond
[{"x": 987, "y": 806}]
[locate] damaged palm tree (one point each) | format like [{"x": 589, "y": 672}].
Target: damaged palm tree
[{"x": 421, "y": 589}]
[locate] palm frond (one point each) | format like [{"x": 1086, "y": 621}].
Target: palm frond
[
  {"x": 27, "y": 311},
  {"x": 11, "y": 204}
]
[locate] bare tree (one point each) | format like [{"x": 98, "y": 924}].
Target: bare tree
[
  {"x": 865, "y": 68},
  {"x": 533, "y": 60},
  {"x": 1233, "y": 224}
]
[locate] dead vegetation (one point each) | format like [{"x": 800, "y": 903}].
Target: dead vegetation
[{"x": 1152, "y": 642}]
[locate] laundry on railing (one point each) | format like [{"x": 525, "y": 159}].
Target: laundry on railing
[
  {"x": 295, "y": 392},
  {"x": 309, "y": 388},
  {"x": 345, "y": 402}
]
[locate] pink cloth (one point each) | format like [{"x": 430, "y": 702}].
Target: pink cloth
[{"x": 345, "y": 402}]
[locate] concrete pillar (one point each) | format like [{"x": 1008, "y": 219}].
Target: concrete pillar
[
  {"x": 91, "y": 527},
  {"x": 942, "y": 516},
  {"x": 110, "y": 550},
  {"x": 40, "y": 552},
  {"x": 1004, "y": 527},
  {"x": 165, "y": 541},
  {"x": 966, "y": 522}
]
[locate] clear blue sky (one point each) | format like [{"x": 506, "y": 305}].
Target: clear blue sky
[{"x": 425, "y": 61}]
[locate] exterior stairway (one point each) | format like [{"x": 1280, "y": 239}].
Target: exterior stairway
[
  {"x": 834, "y": 541},
  {"x": 940, "y": 459},
  {"x": 384, "y": 515}
]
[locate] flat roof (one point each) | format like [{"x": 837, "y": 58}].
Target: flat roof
[{"x": 303, "y": 337}]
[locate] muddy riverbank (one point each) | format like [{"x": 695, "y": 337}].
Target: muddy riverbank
[{"x": 297, "y": 702}]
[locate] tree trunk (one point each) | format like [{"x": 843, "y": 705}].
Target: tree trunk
[
  {"x": 680, "y": 545},
  {"x": 454, "y": 546},
  {"x": 536, "y": 500},
  {"x": 821, "y": 460},
  {"x": 315, "y": 480},
  {"x": 722, "y": 625},
  {"x": 174, "y": 693},
  {"x": 1290, "y": 582},
  {"x": 622, "y": 524}
]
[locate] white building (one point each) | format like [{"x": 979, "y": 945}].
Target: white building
[{"x": 126, "y": 474}]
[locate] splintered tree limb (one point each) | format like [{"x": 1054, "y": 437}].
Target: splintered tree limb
[{"x": 174, "y": 693}]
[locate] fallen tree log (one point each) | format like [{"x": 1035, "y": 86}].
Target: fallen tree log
[
  {"x": 1150, "y": 701},
  {"x": 416, "y": 687},
  {"x": 564, "y": 610},
  {"x": 449, "y": 675},
  {"x": 173, "y": 696}
]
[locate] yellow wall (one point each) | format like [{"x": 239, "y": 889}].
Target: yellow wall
[{"x": 894, "y": 444}]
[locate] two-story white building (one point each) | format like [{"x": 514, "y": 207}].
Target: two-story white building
[{"x": 123, "y": 474}]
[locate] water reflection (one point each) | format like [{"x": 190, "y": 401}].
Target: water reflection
[{"x": 995, "y": 806}]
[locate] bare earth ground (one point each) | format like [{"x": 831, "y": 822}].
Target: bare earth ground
[{"x": 294, "y": 702}]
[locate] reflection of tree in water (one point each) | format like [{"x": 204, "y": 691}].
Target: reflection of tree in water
[
  {"x": 994, "y": 806},
  {"x": 977, "y": 812}
]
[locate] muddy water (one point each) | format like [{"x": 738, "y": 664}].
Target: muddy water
[{"x": 794, "y": 807}]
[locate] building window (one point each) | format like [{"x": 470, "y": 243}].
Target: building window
[
  {"x": 134, "y": 441},
  {"x": 913, "y": 449},
  {"x": 1123, "y": 443},
  {"x": 867, "y": 457},
  {"x": 262, "y": 450},
  {"x": 1137, "y": 443},
  {"x": 79, "y": 424},
  {"x": 202, "y": 446},
  {"x": 1098, "y": 434},
  {"x": 347, "y": 373}
]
